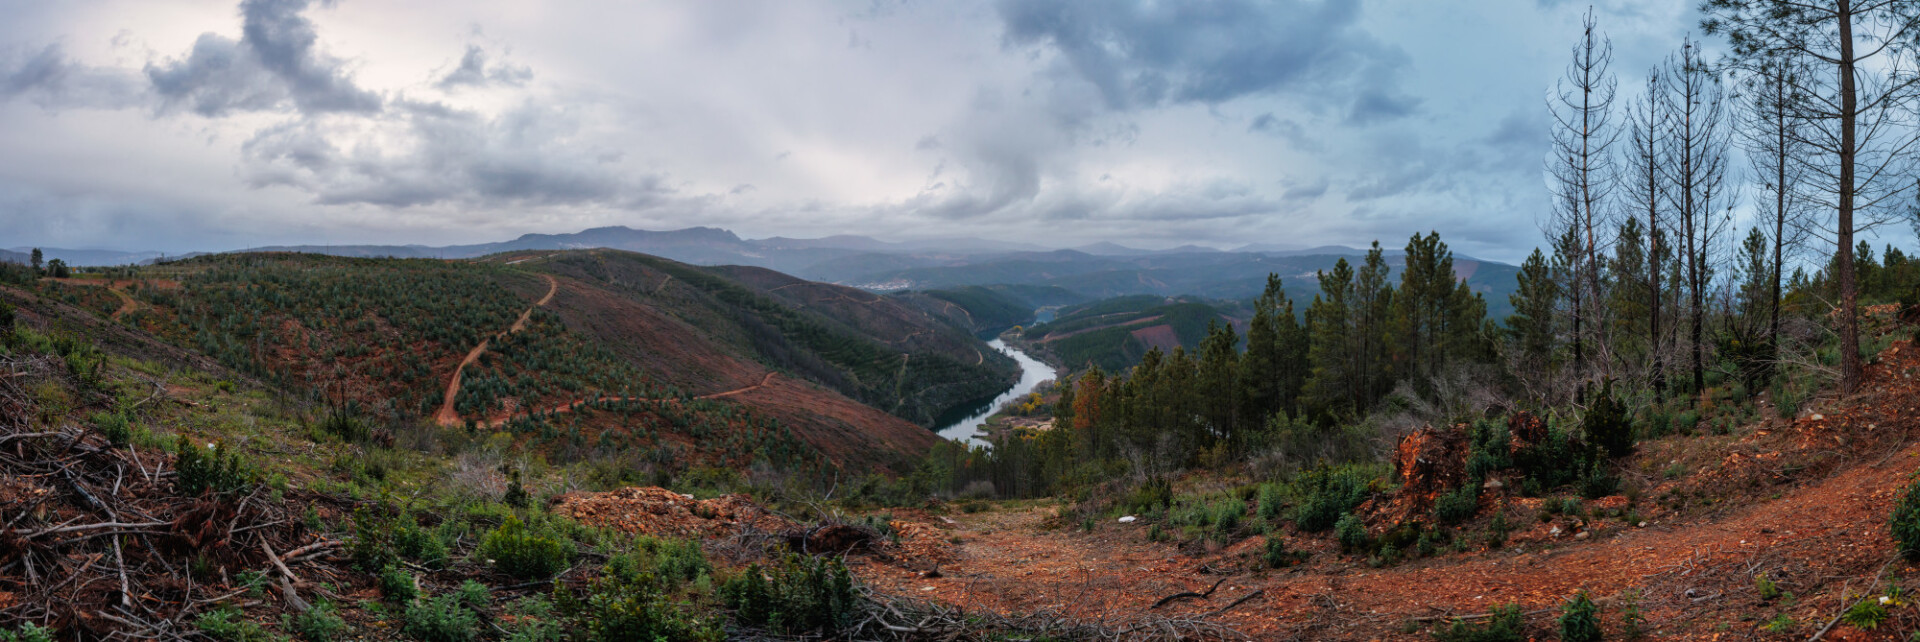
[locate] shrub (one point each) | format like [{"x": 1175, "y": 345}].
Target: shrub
[
  {"x": 1330, "y": 494},
  {"x": 419, "y": 544},
  {"x": 1866, "y": 614},
  {"x": 1351, "y": 533},
  {"x": 441, "y": 619},
  {"x": 1492, "y": 449},
  {"x": 1277, "y": 555},
  {"x": 1580, "y": 619},
  {"x": 1905, "y": 522},
  {"x": 372, "y": 546},
  {"x": 1155, "y": 493},
  {"x": 801, "y": 595},
  {"x": 1607, "y": 425},
  {"x": 1599, "y": 482},
  {"x": 1457, "y": 506},
  {"x": 317, "y": 624},
  {"x": 230, "y": 625},
  {"x": 474, "y": 594},
  {"x": 1506, "y": 624},
  {"x": 114, "y": 426},
  {"x": 397, "y": 585},
  {"x": 1766, "y": 587},
  {"x": 1270, "y": 503},
  {"x": 619, "y": 609},
  {"x": 522, "y": 553},
  {"x": 345, "y": 423},
  {"x": 219, "y": 470},
  {"x": 28, "y": 632}
]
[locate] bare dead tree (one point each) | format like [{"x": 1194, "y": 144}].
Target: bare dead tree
[
  {"x": 1645, "y": 184},
  {"x": 1696, "y": 166},
  {"x": 1770, "y": 133},
  {"x": 1581, "y": 171},
  {"x": 1857, "y": 109}
]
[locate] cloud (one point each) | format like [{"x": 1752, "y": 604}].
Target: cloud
[
  {"x": 428, "y": 153},
  {"x": 274, "y": 65},
  {"x": 1143, "y": 54},
  {"x": 473, "y": 72},
  {"x": 52, "y": 80}
]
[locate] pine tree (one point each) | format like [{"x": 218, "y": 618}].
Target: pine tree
[
  {"x": 1332, "y": 382},
  {"x": 1535, "y": 302}
]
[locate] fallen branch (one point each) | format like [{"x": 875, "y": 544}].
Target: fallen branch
[
  {"x": 1188, "y": 594},
  {"x": 286, "y": 579},
  {"x": 1238, "y": 602}
]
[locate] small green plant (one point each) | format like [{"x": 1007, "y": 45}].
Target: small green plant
[
  {"x": 474, "y": 594},
  {"x": 523, "y": 553},
  {"x": 533, "y": 621},
  {"x": 1351, "y": 533},
  {"x": 1580, "y": 619},
  {"x": 229, "y": 625},
  {"x": 1505, "y": 624},
  {"x": 1277, "y": 555},
  {"x": 114, "y": 426},
  {"x": 1632, "y": 622},
  {"x": 317, "y": 624},
  {"x": 1905, "y": 522},
  {"x": 1457, "y": 506},
  {"x": 1497, "y": 531},
  {"x": 217, "y": 469},
  {"x": 801, "y": 595},
  {"x": 419, "y": 544},
  {"x": 1270, "y": 502},
  {"x": 441, "y": 619},
  {"x": 372, "y": 546},
  {"x": 516, "y": 495},
  {"x": 397, "y": 585},
  {"x": 1768, "y": 589},
  {"x": 1781, "y": 623},
  {"x": 28, "y": 632},
  {"x": 1866, "y": 614}
]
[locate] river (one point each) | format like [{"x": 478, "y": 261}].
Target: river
[{"x": 1032, "y": 374}]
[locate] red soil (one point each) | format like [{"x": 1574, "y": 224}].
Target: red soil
[{"x": 1824, "y": 539}]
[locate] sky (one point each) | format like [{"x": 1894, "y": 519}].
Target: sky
[{"x": 184, "y": 125}]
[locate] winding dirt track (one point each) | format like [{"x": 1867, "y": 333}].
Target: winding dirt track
[
  {"x": 447, "y": 416},
  {"x": 763, "y": 383}
]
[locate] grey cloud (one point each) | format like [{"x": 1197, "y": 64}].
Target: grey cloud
[
  {"x": 51, "y": 79},
  {"x": 526, "y": 156},
  {"x": 474, "y": 72},
  {"x": 275, "y": 63},
  {"x": 1143, "y": 54}
]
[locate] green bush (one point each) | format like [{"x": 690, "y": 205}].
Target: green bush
[
  {"x": 1457, "y": 506},
  {"x": 397, "y": 585},
  {"x": 28, "y": 632},
  {"x": 218, "y": 470},
  {"x": 317, "y": 624},
  {"x": 1507, "y": 624},
  {"x": 441, "y": 619},
  {"x": 230, "y": 625},
  {"x": 1270, "y": 502},
  {"x": 474, "y": 594},
  {"x": 620, "y": 609},
  {"x": 1580, "y": 619},
  {"x": 1330, "y": 494},
  {"x": 1866, "y": 614},
  {"x": 1351, "y": 533},
  {"x": 1492, "y": 449},
  {"x": 1607, "y": 424},
  {"x": 801, "y": 595},
  {"x": 525, "y": 554},
  {"x": 1277, "y": 555},
  {"x": 1905, "y": 522},
  {"x": 419, "y": 544},
  {"x": 372, "y": 546},
  {"x": 114, "y": 426},
  {"x": 1154, "y": 493}
]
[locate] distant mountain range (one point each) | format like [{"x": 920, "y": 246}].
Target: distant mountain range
[{"x": 1094, "y": 271}]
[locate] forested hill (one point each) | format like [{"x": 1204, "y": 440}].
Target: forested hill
[{"x": 563, "y": 345}]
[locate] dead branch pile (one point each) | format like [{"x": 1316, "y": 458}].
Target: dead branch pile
[
  {"x": 905, "y": 619},
  {"x": 95, "y": 542}
]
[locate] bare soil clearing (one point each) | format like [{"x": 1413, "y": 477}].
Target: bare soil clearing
[{"x": 1821, "y": 533}]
